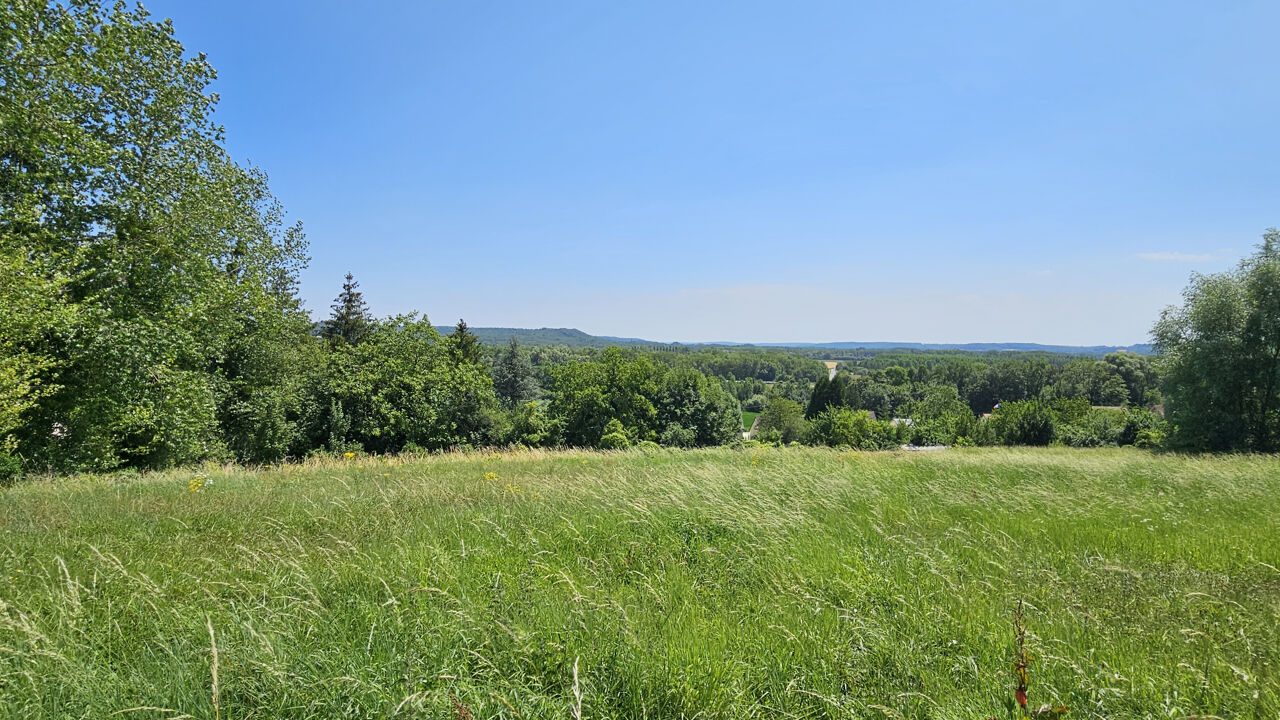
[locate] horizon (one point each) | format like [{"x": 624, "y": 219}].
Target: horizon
[{"x": 1052, "y": 174}]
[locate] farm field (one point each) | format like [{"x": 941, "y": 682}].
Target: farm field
[
  {"x": 796, "y": 583},
  {"x": 748, "y": 417}
]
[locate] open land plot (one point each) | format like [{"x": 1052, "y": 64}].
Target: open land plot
[{"x": 716, "y": 583}]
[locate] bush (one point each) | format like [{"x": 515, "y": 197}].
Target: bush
[
  {"x": 528, "y": 426},
  {"x": 615, "y": 437},
  {"x": 1149, "y": 438},
  {"x": 755, "y": 403},
  {"x": 1027, "y": 422},
  {"x": 676, "y": 435},
  {"x": 844, "y": 427},
  {"x": 10, "y": 469},
  {"x": 1139, "y": 421}
]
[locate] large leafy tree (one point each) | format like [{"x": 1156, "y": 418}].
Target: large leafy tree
[
  {"x": 152, "y": 263},
  {"x": 1221, "y": 356},
  {"x": 401, "y": 387}
]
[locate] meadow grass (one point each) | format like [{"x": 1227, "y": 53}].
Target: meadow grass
[
  {"x": 796, "y": 583},
  {"x": 748, "y": 417}
]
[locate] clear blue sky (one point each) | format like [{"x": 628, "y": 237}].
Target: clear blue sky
[{"x": 941, "y": 172}]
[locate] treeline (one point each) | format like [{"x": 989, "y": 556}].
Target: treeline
[
  {"x": 951, "y": 399},
  {"x": 150, "y": 318},
  {"x": 889, "y": 382}
]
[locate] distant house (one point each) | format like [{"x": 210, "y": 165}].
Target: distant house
[
  {"x": 1157, "y": 409},
  {"x": 902, "y": 421},
  {"x": 872, "y": 413}
]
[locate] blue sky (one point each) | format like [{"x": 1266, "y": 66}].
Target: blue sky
[{"x": 935, "y": 172}]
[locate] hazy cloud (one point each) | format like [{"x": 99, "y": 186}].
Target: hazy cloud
[{"x": 1170, "y": 256}]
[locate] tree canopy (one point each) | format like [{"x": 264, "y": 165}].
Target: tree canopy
[{"x": 1221, "y": 356}]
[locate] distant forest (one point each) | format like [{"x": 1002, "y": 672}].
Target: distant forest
[
  {"x": 570, "y": 337},
  {"x": 151, "y": 319}
]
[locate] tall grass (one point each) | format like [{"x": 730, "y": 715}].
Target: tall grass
[{"x": 718, "y": 583}]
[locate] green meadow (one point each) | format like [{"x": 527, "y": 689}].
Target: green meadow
[{"x": 796, "y": 583}]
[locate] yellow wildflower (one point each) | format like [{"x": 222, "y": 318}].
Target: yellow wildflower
[
  {"x": 348, "y": 455},
  {"x": 491, "y": 476}
]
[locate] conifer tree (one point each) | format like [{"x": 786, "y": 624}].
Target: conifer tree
[
  {"x": 350, "y": 321},
  {"x": 465, "y": 344},
  {"x": 513, "y": 376}
]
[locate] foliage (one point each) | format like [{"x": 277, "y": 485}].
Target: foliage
[
  {"x": 586, "y": 396},
  {"x": 782, "y": 420},
  {"x": 349, "y": 321},
  {"x": 614, "y": 437},
  {"x": 695, "y": 411},
  {"x": 1027, "y": 422},
  {"x": 843, "y": 427},
  {"x": 403, "y": 385},
  {"x": 152, "y": 253},
  {"x": 1221, "y": 356},
  {"x": 513, "y": 380},
  {"x": 464, "y": 346}
]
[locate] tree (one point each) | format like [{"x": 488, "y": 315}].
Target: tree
[
  {"x": 153, "y": 252},
  {"x": 783, "y": 418},
  {"x": 1137, "y": 373},
  {"x": 1024, "y": 422},
  {"x": 464, "y": 346},
  {"x": 513, "y": 380},
  {"x": 845, "y": 427},
  {"x": 587, "y": 395},
  {"x": 350, "y": 321},
  {"x": 400, "y": 388},
  {"x": 1095, "y": 380},
  {"x": 696, "y": 411},
  {"x": 1220, "y": 353}
]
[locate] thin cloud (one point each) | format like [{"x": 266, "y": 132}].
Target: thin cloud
[{"x": 1176, "y": 257}]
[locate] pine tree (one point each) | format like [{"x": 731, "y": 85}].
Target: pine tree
[
  {"x": 350, "y": 321},
  {"x": 465, "y": 344},
  {"x": 513, "y": 376}
]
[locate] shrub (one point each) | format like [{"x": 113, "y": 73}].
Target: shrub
[
  {"x": 10, "y": 469},
  {"x": 1139, "y": 421},
  {"x": 839, "y": 427},
  {"x": 615, "y": 437},
  {"x": 1150, "y": 438},
  {"x": 1027, "y": 422},
  {"x": 755, "y": 403},
  {"x": 675, "y": 435}
]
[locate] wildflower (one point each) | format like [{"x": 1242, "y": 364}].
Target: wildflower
[
  {"x": 491, "y": 476},
  {"x": 197, "y": 483},
  {"x": 513, "y": 489},
  {"x": 348, "y": 455}
]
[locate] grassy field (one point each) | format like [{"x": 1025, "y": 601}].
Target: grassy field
[
  {"x": 748, "y": 417},
  {"x": 719, "y": 583}
]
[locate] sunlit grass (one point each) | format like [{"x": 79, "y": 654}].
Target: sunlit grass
[{"x": 769, "y": 583}]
